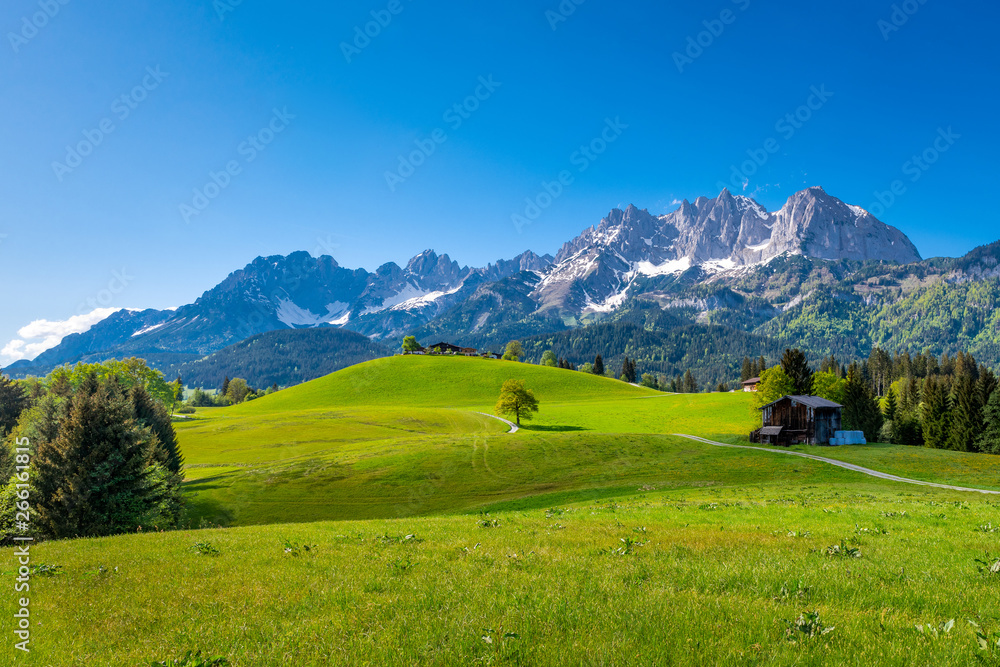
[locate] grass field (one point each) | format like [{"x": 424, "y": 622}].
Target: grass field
[
  {"x": 400, "y": 437},
  {"x": 591, "y": 537}
]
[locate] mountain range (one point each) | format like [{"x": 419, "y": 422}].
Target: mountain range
[{"x": 818, "y": 273}]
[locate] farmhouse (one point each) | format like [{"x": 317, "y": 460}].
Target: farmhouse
[
  {"x": 799, "y": 420},
  {"x": 751, "y": 385}
]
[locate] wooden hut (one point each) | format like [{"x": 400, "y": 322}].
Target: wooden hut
[{"x": 799, "y": 420}]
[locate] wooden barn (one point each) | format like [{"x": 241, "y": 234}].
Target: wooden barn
[{"x": 799, "y": 420}]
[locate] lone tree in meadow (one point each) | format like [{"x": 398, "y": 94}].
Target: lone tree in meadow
[
  {"x": 410, "y": 344},
  {"x": 517, "y": 401}
]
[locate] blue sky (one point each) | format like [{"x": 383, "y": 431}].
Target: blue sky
[{"x": 194, "y": 88}]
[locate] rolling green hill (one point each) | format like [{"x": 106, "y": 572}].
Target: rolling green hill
[
  {"x": 589, "y": 537},
  {"x": 401, "y": 436}
]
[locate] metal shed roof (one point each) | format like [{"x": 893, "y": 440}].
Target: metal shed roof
[{"x": 811, "y": 401}]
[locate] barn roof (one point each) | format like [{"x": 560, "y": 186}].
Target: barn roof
[
  {"x": 752, "y": 381},
  {"x": 811, "y": 401},
  {"x": 772, "y": 430}
]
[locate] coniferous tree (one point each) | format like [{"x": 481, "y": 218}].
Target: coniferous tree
[
  {"x": 99, "y": 476},
  {"x": 861, "y": 410},
  {"x": 625, "y": 371},
  {"x": 598, "y": 365},
  {"x": 891, "y": 405},
  {"x": 152, "y": 415},
  {"x": 13, "y": 401},
  {"x": 225, "y": 386},
  {"x": 966, "y": 411},
  {"x": 935, "y": 418},
  {"x": 989, "y": 440},
  {"x": 796, "y": 366},
  {"x": 986, "y": 385},
  {"x": 747, "y": 371},
  {"x": 761, "y": 366},
  {"x": 690, "y": 384}
]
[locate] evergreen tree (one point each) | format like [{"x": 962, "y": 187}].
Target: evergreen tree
[
  {"x": 761, "y": 366},
  {"x": 989, "y": 439},
  {"x": 891, "y": 405},
  {"x": 796, "y": 366},
  {"x": 861, "y": 410},
  {"x": 625, "y": 370},
  {"x": 152, "y": 415},
  {"x": 690, "y": 384},
  {"x": 598, "y": 365},
  {"x": 747, "y": 371},
  {"x": 986, "y": 385},
  {"x": 99, "y": 476},
  {"x": 225, "y": 386},
  {"x": 935, "y": 418},
  {"x": 966, "y": 411},
  {"x": 13, "y": 401}
]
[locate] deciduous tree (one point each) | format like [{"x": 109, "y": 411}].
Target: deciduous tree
[{"x": 517, "y": 401}]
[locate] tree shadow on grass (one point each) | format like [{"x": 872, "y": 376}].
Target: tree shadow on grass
[{"x": 552, "y": 429}]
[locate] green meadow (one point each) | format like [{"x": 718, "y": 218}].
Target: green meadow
[{"x": 372, "y": 517}]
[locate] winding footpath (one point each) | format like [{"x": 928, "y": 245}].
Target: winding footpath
[
  {"x": 841, "y": 464},
  {"x": 513, "y": 427}
]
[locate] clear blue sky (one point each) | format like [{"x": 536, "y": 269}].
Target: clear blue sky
[{"x": 320, "y": 185}]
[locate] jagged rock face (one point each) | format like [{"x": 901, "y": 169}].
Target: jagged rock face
[
  {"x": 815, "y": 224},
  {"x": 628, "y": 253},
  {"x": 717, "y": 229},
  {"x": 594, "y": 271}
]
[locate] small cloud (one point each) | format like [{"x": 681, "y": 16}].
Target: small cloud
[
  {"x": 676, "y": 202},
  {"x": 42, "y": 335}
]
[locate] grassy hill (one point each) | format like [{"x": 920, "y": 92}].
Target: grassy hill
[
  {"x": 591, "y": 537},
  {"x": 400, "y": 436}
]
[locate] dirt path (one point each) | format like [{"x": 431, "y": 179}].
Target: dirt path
[
  {"x": 513, "y": 427},
  {"x": 841, "y": 464}
]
